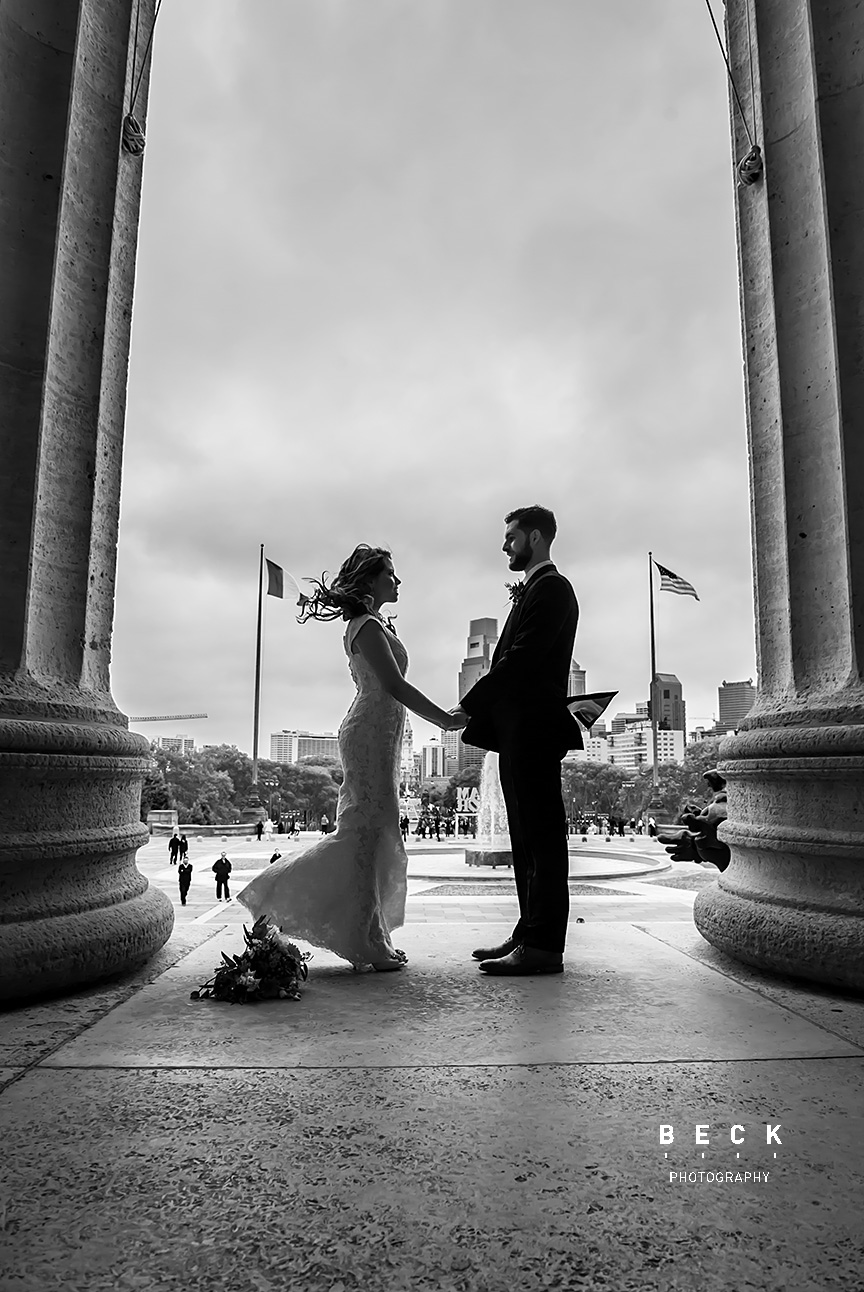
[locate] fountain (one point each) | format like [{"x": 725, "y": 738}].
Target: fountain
[{"x": 492, "y": 846}]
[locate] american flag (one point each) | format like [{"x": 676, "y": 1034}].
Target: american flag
[{"x": 670, "y": 582}]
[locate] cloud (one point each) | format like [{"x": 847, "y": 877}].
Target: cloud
[{"x": 401, "y": 268}]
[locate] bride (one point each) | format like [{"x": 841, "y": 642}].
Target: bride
[{"x": 347, "y": 892}]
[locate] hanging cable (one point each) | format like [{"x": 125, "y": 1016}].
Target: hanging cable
[
  {"x": 133, "y": 133},
  {"x": 749, "y": 169}
]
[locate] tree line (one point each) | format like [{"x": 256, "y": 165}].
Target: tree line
[
  {"x": 603, "y": 789},
  {"x": 210, "y": 786}
]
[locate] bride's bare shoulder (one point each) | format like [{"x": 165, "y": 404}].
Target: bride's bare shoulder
[{"x": 357, "y": 627}]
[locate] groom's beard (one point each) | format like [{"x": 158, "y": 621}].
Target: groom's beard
[{"x": 519, "y": 560}]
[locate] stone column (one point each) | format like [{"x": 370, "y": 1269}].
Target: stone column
[
  {"x": 792, "y": 899},
  {"x": 73, "y": 906}
]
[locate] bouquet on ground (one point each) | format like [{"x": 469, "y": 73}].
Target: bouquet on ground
[{"x": 271, "y": 968}]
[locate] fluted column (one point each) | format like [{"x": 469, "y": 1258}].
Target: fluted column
[
  {"x": 792, "y": 899},
  {"x": 73, "y": 906}
]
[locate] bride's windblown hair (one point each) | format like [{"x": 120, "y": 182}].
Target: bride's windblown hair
[{"x": 350, "y": 592}]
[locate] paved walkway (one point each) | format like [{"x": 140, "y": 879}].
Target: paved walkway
[{"x": 433, "y": 1128}]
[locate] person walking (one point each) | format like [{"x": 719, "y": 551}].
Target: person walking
[
  {"x": 259, "y": 830},
  {"x": 520, "y": 709},
  {"x": 173, "y": 848},
  {"x": 404, "y": 826},
  {"x": 184, "y": 847},
  {"x": 652, "y": 827},
  {"x": 184, "y": 878},
  {"x": 222, "y": 869}
]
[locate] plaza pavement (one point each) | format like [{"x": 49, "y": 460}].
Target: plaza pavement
[{"x": 435, "y": 1128}]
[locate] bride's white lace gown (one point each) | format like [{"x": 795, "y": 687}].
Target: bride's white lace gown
[{"x": 347, "y": 892}]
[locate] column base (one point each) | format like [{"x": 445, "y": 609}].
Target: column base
[
  {"x": 792, "y": 898},
  {"x": 73, "y": 905},
  {"x": 58, "y": 954}
]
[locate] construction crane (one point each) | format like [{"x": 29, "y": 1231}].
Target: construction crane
[{"x": 170, "y": 717}]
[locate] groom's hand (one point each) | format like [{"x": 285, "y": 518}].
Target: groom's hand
[{"x": 459, "y": 716}]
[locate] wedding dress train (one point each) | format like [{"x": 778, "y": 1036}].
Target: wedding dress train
[{"x": 347, "y": 892}]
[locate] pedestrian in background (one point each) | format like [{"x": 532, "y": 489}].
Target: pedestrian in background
[
  {"x": 184, "y": 878},
  {"x": 222, "y": 869},
  {"x": 173, "y": 848},
  {"x": 259, "y": 830},
  {"x": 184, "y": 847}
]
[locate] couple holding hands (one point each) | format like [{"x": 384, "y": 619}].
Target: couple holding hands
[{"x": 347, "y": 892}]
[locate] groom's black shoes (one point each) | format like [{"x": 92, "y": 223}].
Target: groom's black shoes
[
  {"x": 525, "y": 960},
  {"x": 495, "y": 953}
]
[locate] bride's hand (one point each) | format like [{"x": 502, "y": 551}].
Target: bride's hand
[{"x": 458, "y": 719}]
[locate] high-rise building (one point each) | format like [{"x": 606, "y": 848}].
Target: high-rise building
[
  {"x": 671, "y": 710},
  {"x": 596, "y": 751},
  {"x": 633, "y": 748},
  {"x": 620, "y": 721},
  {"x": 175, "y": 744},
  {"x": 432, "y": 761},
  {"x": 576, "y": 680},
  {"x": 291, "y": 746},
  {"x": 482, "y": 639},
  {"x": 451, "y": 741},
  {"x": 735, "y": 699}
]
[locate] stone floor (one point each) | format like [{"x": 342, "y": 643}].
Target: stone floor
[{"x": 435, "y": 1128}]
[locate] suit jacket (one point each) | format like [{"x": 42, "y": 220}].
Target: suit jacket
[{"x": 523, "y": 697}]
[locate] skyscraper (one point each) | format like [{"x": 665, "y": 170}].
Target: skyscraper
[
  {"x": 175, "y": 744},
  {"x": 482, "y": 639},
  {"x": 633, "y": 748},
  {"x": 451, "y": 741},
  {"x": 576, "y": 680},
  {"x": 620, "y": 721},
  {"x": 671, "y": 710},
  {"x": 291, "y": 746},
  {"x": 735, "y": 699},
  {"x": 432, "y": 761}
]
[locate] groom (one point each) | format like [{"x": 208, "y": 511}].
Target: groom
[{"x": 519, "y": 708}]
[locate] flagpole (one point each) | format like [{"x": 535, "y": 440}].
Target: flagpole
[
  {"x": 258, "y": 670},
  {"x": 654, "y": 777}
]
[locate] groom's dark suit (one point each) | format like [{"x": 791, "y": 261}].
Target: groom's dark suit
[{"x": 519, "y": 708}]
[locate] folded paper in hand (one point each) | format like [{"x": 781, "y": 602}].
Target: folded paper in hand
[{"x": 588, "y": 708}]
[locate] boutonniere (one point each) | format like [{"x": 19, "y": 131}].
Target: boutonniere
[{"x": 516, "y": 591}]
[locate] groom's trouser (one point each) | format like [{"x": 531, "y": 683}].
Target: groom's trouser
[{"x": 531, "y": 784}]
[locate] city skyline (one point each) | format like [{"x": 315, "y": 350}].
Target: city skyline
[
  {"x": 427, "y": 733},
  {"x": 421, "y": 311}
]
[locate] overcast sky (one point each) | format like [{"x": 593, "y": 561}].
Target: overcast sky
[{"x": 405, "y": 265}]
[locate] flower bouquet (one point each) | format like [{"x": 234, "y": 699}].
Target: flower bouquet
[{"x": 271, "y": 968}]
